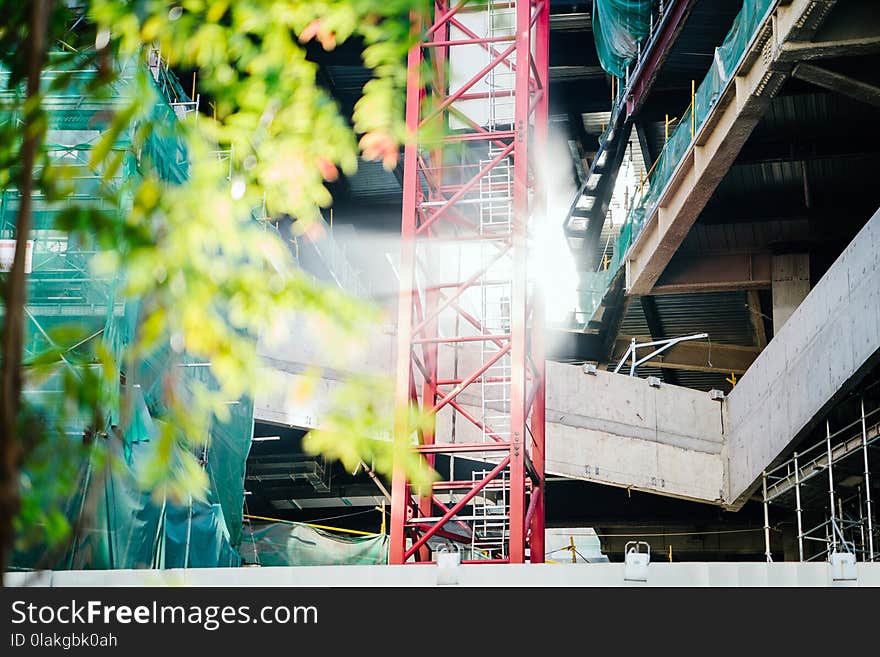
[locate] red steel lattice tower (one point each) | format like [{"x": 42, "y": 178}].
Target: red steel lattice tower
[{"x": 469, "y": 349}]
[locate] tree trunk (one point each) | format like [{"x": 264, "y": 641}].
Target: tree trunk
[{"x": 16, "y": 291}]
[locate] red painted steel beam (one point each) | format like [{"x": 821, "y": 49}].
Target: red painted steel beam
[
  {"x": 458, "y": 506},
  {"x": 470, "y": 418},
  {"x": 447, "y": 301},
  {"x": 519, "y": 295},
  {"x": 463, "y": 338},
  {"x": 445, "y": 509},
  {"x": 449, "y": 448},
  {"x": 473, "y": 377},
  {"x": 443, "y": 19},
  {"x": 467, "y": 42},
  {"x": 482, "y": 379},
  {"x": 399, "y": 488},
  {"x": 466, "y": 187},
  {"x": 658, "y": 49},
  {"x": 467, "y": 85}
]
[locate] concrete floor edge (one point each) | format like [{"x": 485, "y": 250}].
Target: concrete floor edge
[{"x": 659, "y": 574}]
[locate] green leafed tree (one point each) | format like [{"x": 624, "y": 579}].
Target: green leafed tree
[{"x": 173, "y": 228}]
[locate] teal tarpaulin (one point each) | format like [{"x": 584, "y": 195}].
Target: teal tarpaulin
[
  {"x": 297, "y": 544},
  {"x": 121, "y": 526},
  {"x": 618, "y": 26}
]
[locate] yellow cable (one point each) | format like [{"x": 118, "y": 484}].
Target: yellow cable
[{"x": 309, "y": 524}]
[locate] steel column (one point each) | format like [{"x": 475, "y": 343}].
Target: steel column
[
  {"x": 833, "y": 518},
  {"x": 798, "y": 510},
  {"x": 868, "y": 504},
  {"x": 537, "y": 426},
  {"x": 767, "y": 552},
  {"x": 399, "y": 486}
]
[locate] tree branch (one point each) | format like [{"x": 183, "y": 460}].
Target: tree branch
[{"x": 16, "y": 292}]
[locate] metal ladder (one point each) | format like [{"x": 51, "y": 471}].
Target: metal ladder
[
  {"x": 491, "y": 515},
  {"x": 501, "y": 79},
  {"x": 496, "y": 219}
]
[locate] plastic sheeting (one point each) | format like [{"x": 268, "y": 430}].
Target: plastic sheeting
[
  {"x": 618, "y": 26},
  {"x": 227, "y": 451},
  {"x": 726, "y": 60},
  {"x": 297, "y": 544},
  {"x": 122, "y": 526}
]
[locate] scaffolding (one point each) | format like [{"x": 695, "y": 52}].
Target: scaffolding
[
  {"x": 63, "y": 289},
  {"x": 827, "y": 487},
  {"x": 61, "y": 285},
  {"x": 470, "y": 197}
]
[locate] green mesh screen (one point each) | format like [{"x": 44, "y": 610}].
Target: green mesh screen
[
  {"x": 62, "y": 290},
  {"x": 726, "y": 60},
  {"x": 296, "y": 544},
  {"x": 618, "y": 26}
]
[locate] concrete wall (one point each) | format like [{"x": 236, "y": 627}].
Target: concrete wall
[{"x": 832, "y": 337}]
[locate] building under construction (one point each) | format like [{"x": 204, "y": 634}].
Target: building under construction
[{"x": 634, "y": 282}]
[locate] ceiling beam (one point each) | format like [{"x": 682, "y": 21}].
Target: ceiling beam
[
  {"x": 715, "y": 273},
  {"x": 695, "y": 356},
  {"x": 575, "y": 72},
  {"x": 617, "y": 310},
  {"x": 644, "y": 145},
  {"x": 838, "y": 83},
  {"x": 581, "y": 22},
  {"x": 655, "y": 326},
  {"x": 798, "y": 51},
  {"x": 794, "y": 147},
  {"x": 753, "y": 301}
]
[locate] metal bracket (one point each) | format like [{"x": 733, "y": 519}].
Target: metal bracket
[{"x": 663, "y": 345}]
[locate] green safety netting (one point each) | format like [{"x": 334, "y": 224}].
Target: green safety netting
[
  {"x": 726, "y": 60},
  {"x": 64, "y": 291},
  {"x": 618, "y": 26},
  {"x": 297, "y": 544}
]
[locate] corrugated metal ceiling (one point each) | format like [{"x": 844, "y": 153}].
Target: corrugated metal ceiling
[
  {"x": 752, "y": 235},
  {"x": 723, "y": 315},
  {"x": 373, "y": 183},
  {"x": 691, "y": 55}
]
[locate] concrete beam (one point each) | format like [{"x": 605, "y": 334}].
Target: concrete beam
[
  {"x": 714, "y": 273},
  {"x": 619, "y": 430},
  {"x": 719, "y": 141},
  {"x": 838, "y": 83},
  {"x": 824, "y": 349},
  {"x": 695, "y": 356}
]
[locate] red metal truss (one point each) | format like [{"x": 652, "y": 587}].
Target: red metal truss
[{"x": 470, "y": 322}]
